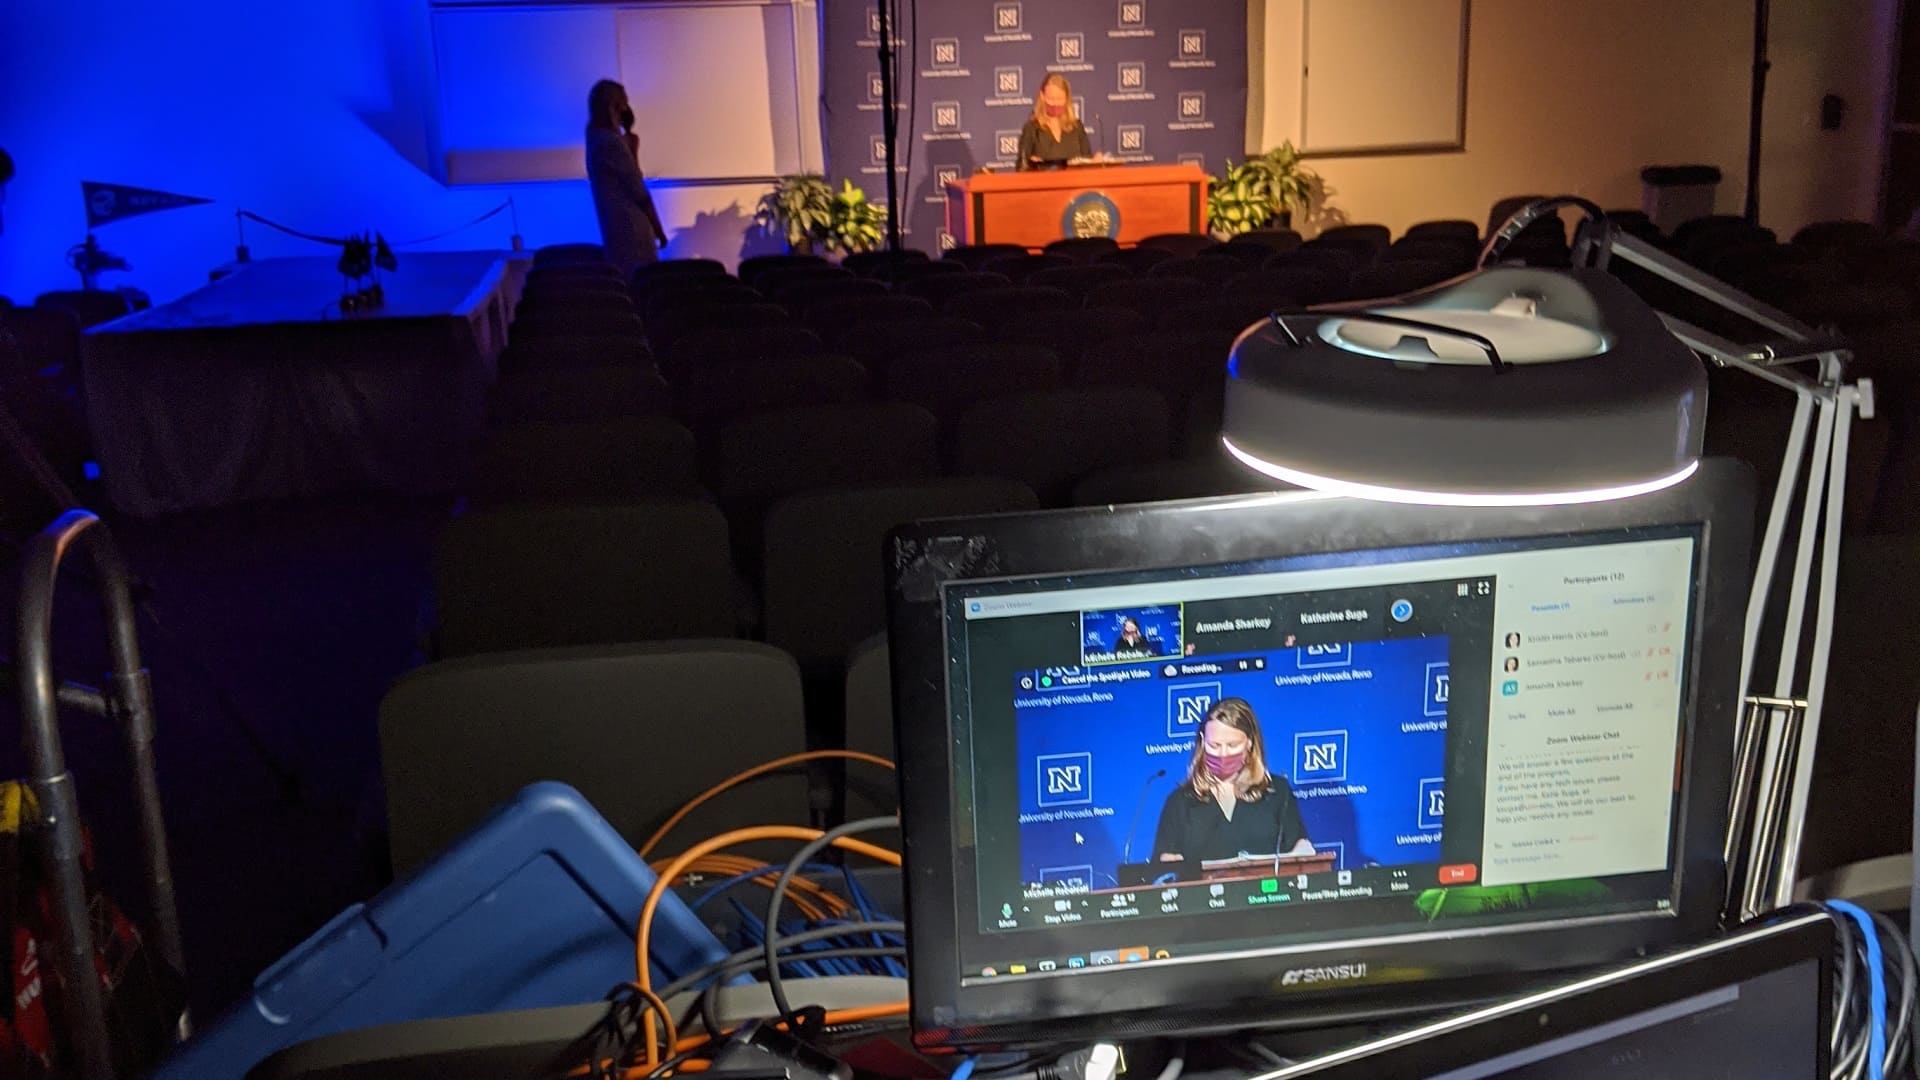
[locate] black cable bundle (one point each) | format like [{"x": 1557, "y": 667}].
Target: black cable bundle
[{"x": 1876, "y": 983}]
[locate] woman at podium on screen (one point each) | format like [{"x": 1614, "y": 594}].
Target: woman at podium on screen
[
  {"x": 1230, "y": 805},
  {"x": 1054, "y": 134}
]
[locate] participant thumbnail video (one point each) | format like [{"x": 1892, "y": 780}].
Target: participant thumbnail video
[{"x": 1125, "y": 635}]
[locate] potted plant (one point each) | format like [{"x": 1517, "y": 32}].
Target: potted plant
[
  {"x": 1257, "y": 192},
  {"x": 799, "y": 208},
  {"x": 855, "y": 223}
]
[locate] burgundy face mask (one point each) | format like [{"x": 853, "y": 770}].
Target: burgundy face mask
[
  {"x": 1056, "y": 110},
  {"x": 1225, "y": 767}
]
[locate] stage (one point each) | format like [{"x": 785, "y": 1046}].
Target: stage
[{"x": 257, "y": 387}]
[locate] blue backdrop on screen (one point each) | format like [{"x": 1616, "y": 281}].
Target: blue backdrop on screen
[
  {"x": 1155, "y": 81},
  {"x": 1358, "y": 729}
]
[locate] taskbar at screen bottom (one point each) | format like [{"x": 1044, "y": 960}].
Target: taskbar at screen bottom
[{"x": 1132, "y": 942}]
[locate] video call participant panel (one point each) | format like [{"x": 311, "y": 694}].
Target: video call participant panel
[{"x": 1554, "y": 785}]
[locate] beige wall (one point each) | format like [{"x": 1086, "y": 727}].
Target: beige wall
[{"x": 1574, "y": 96}]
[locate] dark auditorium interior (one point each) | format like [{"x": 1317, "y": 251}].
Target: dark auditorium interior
[{"x": 434, "y": 474}]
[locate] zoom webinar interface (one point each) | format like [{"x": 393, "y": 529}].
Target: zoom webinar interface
[{"x": 1213, "y": 761}]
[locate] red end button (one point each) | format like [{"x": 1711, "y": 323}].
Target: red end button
[{"x": 1459, "y": 874}]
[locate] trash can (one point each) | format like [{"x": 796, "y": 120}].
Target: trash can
[{"x": 1671, "y": 194}]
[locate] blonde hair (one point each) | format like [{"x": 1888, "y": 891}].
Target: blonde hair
[
  {"x": 1068, "y": 122},
  {"x": 1254, "y": 780}
]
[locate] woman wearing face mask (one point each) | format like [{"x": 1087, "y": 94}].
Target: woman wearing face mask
[
  {"x": 630, "y": 228},
  {"x": 1230, "y": 805},
  {"x": 1053, "y": 135}
]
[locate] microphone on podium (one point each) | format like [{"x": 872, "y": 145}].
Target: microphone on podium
[{"x": 1139, "y": 804}]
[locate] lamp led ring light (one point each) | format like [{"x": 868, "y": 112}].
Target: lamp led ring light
[{"x": 1509, "y": 387}]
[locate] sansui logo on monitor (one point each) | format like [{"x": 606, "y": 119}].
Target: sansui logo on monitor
[{"x": 1336, "y": 973}]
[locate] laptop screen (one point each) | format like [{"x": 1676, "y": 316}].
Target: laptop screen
[{"x": 1175, "y": 766}]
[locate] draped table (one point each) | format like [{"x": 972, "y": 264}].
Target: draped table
[{"x": 258, "y": 387}]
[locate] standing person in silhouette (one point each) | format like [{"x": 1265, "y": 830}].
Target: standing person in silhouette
[{"x": 630, "y": 228}]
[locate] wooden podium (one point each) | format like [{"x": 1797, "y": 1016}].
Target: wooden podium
[{"x": 1033, "y": 209}]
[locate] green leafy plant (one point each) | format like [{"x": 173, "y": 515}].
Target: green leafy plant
[
  {"x": 1255, "y": 192},
  {"x": 800, "y": 208},
  {"x": 855, "y": 223}
]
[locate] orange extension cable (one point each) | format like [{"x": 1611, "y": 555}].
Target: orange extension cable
[
  {"x": 748, "y": 774},
  {"x": 643, "y": 935}
]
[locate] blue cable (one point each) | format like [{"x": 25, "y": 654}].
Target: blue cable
[
  {"x": 964, "y": 1071},
  {"x": 723, "y": 886},
  {"x": 1876, "y": 981}
]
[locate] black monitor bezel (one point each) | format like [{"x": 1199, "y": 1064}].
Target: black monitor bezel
[
  {"x": 923, "y": 559},
  {"x": 1791, "y": 937}
]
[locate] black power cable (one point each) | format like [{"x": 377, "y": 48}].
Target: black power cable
[{"x": 801, "y": 858}]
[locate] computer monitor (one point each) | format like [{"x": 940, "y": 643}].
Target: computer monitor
[
  {"x": 1756, "y": 1003},
  {"x": 1463, "y": 747}
]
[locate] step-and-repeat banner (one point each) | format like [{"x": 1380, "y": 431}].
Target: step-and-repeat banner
[{"x": 1153, "y": 80}]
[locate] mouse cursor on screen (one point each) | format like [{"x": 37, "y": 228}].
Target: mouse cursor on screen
[{"x": 1078, "y": 839}]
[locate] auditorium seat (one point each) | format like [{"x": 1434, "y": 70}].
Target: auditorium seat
[
  {"x": 713, "y": 395},
  {"x": 1077, "y": 332},
  {"x": 1148, "y": 295},
  {"x": 875, "y": 345},
  {"x": 1180, "y": 245},
  {"x": 1339, "y": 262},
  {"x": 1224, "y": 315},
  {"x": 1172, "y": 363},
  {"x": 1685, "y": 233},
  {"x": 1395, "y": 279},
  {"x": 770, "y": 281},
  {"x": 994, "y": 308},
  {"x": 869, "y": 713},
  {"x": 1274, "y": 239},
  {"x": 1077, "y": 281},
  {"x": 937, "y": 289},
  {"x": 613, "y": 459},
  {"x": 664, "y": 329},
  {"x": 947, "y": 379},
  {"x": 1211, "y": 270},
  {"x": 568, "y": 255},
  {"x": 583, "y": 393},
  {"x": 800, "y": 296},
  {"x": 1053, "y": 439},
  {"x": 1280, "y": 288},
  {"x": 577, "y": 322},
  {"x": 753, "y": 266},
  {"x": 900, "y": 273},
  {"x": 1699, "y": 246},
  {"x": 1504, "y": 209},
  {"x": 698, "y": 292},
  {"x": 1454, "y": 255},
  {"x": 538, "y": 575},
  {"x": 975, "y": 256},
  {"x": 666, "y": 268},
  {"x": 770, "y": 455},
  {"x": 1164, "y": 481},
  {"x": 1018, "y": 268},
  {"x": 574, "y": 274},
  {"x": 1452, "y": 230},
  {"x": 700, "y": 349},
  {"x": 45, "y": 337},
  {"x": 1247, "y": 255},
  {"x": 875, "y": 263},
  {"x": 1135, "y": 260},
  {"x": 1083, "y": 249},
  {"x": 569, "y": 352},
  {"x": 1370, "y": 239},
  {"x": 1836, "y": 234},
  {"x": 460, "y": 737},
  {"x": 832, "y": 318},
  {"x": 824, "y": 587}
]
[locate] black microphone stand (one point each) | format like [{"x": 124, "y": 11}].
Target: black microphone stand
[{"x": 889, "y": 124}]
